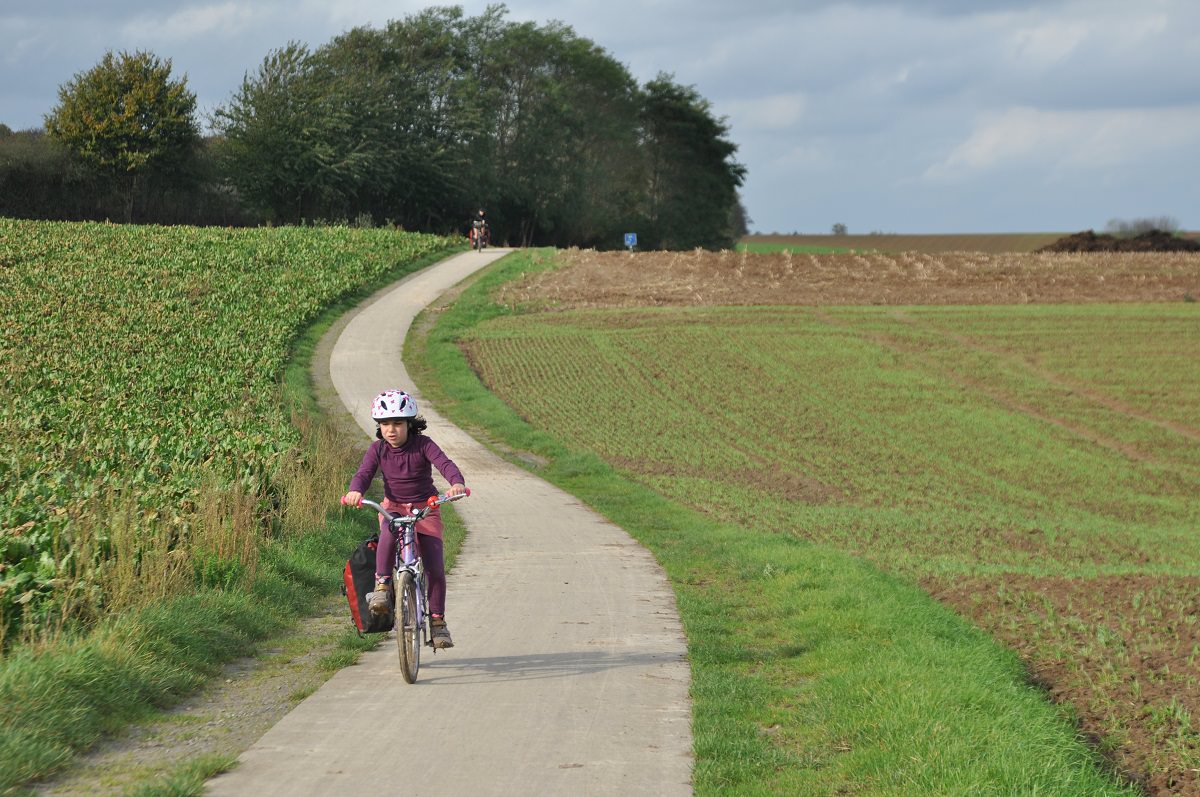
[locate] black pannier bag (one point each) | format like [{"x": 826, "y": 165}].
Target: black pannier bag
[{"x": 358, "y": 579}]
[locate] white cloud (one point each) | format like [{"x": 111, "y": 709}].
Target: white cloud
[
  {"x": 346, "y": 14},
  {"x": 21, "y": 38},
  {"x": 193, "y": 22},
  {"x": 1047, "y": 44},
  {"x": 1126, "y": 137},
  {"x": 1134, "y": 34},
  {"x": 775, "y": 112},
  {"x": 1068, "y": 140},
  {"x": 1003, "y": 138},
  {"x": 805, "y": 158},
  {"x": 892, "y": 80}
]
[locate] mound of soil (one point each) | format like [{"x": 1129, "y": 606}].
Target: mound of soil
[{"x": 1152, "y": 241}]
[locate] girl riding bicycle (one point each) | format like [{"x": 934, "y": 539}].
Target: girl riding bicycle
[{"x": 406, "y": 458}]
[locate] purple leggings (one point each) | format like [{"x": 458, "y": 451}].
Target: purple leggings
[{"x": 431, "y": 554}]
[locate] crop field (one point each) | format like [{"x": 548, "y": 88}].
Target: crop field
[
  {"x": 1018, "y": 435},
  {"x": 992, "y": 243},
  {"x": 138, "y": 364}
]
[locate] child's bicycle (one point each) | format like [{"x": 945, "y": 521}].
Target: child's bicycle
[{"x": 410, "y": 590}]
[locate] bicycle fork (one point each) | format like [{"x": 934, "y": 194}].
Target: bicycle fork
[{"x": 423, "y": 616}]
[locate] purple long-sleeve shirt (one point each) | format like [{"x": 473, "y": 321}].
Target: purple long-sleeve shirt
[{"x": 407, "y": 471}]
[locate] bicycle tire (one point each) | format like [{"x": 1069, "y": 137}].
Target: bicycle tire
[{"x": 408, "y": 626}]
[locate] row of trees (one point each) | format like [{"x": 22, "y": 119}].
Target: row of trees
[
  {"x": 1125, "y": 228},
  {"x": 123, "y": 143},
  {"x": 414, "y": 124}
]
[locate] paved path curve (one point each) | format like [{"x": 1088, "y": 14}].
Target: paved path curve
[{"x": 569, "y": 673}]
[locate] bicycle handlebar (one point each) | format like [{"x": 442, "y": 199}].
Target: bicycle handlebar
[{"x": 433, "y": 502}]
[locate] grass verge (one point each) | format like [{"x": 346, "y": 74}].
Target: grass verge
[
  {"x": 188, "y": 780},
  {"x": 813, "y": 672}
]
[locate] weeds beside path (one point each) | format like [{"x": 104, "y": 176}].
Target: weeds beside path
[{"x": 174, "y": 749}]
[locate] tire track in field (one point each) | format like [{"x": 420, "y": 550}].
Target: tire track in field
[
  {"x": 1003, "y": 399},
  {"x": 1056, "y": 379}
]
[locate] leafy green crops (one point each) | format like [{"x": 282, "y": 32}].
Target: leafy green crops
[{"x": 138, "y": 362}]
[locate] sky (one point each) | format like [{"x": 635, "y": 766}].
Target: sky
[{"x": 888, "y": 116}]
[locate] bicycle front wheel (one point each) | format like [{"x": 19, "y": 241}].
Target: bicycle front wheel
[{"x": 408, "y": 626}]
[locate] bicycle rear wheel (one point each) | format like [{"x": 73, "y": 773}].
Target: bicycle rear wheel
[{"x": 408, "y": 626}]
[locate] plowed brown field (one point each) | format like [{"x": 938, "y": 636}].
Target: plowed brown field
[
  {"x": 623, "y": 279},
  {"x": 978, "y": 242}
]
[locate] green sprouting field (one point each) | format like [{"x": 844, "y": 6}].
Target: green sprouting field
[{"x": 925, "y": 438}]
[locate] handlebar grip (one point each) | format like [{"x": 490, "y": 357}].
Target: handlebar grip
[{"x": 438, "y": 500}]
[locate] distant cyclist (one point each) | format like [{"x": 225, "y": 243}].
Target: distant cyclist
[
  {"x": 406, "y": 458},
  {"x": 479, "y": 233}
]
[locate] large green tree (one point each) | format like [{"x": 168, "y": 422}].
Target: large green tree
[
  {"x": 437, "y": 114},
  {"x": 418, "y": 123},
  {"x": 126, "y": 118},
  {"x": 415, "y": 97},
  {"x": 270, "y": 133},
  {"x": 564, "y": 149},
  {"x": 36, "y": 177},
  {"x": 379, "y": 122},
  {"x": 691, "y": 195}
]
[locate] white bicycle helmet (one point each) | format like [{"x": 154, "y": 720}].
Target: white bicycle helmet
[{"x": 393, "y": 404}]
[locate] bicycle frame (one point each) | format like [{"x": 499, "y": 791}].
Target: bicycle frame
[
  {"x": 409, "y": 588},
  {"x": 408, "y": 556}
]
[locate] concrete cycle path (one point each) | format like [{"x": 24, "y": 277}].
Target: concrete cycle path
[{"x": 569, "y": 672}]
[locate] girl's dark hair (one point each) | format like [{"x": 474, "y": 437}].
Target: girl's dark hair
[{"x": 415, "y": 426}]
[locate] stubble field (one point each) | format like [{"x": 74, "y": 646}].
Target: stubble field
[
  {"x": 995, "y": 243},
  {"x": 1019, "y": 434}
]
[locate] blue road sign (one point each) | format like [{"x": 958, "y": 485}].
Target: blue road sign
[{"x": 631, "y": 239}]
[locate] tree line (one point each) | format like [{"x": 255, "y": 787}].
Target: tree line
[{"x": 415, "y": 124}]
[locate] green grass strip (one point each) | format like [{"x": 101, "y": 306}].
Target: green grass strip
[
  {"x": 813, "y": 672},
  {"x": 58, "y": 701}
]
